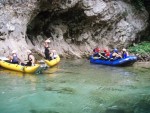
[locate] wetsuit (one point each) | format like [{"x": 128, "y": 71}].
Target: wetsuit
[
  {"x": 47, "y": 54},
  {"x": 29, "y": 63}
]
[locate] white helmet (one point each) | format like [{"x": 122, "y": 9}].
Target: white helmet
[
  {"x": 48, "y": 41},
  {"x": 124, "y": 50},
  {"x": 14, "y": 52}
]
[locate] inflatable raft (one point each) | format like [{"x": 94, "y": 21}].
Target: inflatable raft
[
  {"x": 20, "y": 68},
  {"x": 118, "y": 62},
  {"x": 53, "y": 62}
]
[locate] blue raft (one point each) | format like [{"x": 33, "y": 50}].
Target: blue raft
[{"x": 118, "y": 62}]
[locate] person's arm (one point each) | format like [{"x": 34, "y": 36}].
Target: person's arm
[
  {"x": 101, "y": 55},
  {"x": 119, "y": 55},
  {"x": 114, "y": 54},
  {"x": 127, "y": 54},
  {"x": 10, "y": 58}
]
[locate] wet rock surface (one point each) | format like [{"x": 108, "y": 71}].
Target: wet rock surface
[{"x": 143, "y": 57}]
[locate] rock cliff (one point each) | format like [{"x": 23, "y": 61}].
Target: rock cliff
[{"x": 75, "y": 27}]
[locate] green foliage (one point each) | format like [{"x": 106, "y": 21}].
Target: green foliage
[{"x": 141, "y": 48}]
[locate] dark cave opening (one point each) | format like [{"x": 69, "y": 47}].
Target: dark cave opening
[{"x": 74, "y": 18}]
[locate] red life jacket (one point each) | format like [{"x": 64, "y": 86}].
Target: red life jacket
[{"x": 96, "y": 50}]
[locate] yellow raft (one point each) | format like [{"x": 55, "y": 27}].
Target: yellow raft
[
  {"x": 53, "y": 62},
  {"x": 16, "y": 67}
]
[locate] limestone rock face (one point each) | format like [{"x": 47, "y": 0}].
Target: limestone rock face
[
  {"x": 74, "y": 26},
  {"x": 14, "y": 17}
]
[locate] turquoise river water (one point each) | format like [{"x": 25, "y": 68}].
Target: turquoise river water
[{"x": 76, "y": 86}]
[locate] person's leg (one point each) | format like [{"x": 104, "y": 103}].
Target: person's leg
[
  {"x": 14, "y": 62},
  {"x": 23, "y": 64},
  {"x": 28, "y": 64}
]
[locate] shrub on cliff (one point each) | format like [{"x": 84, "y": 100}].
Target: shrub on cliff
[{"x": 141, "y": 48}]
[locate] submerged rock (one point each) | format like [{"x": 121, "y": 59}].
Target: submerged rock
[
  {"x": 131, "y": 105},
  {"x": 115, "y": 109},
  {"x": 42, "y": 111},
  {"x": 142, "y": 106}
]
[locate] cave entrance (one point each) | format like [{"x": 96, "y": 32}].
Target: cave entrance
[{"x": 44, "y": 24}]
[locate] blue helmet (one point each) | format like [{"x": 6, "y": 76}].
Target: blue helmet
[{"x": 116, "y": 50}]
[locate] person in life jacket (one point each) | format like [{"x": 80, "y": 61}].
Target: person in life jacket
[
  {"x": 14, "y": 58},
  {"x": 107, "y": 53},
  {"x": 31, "y": 59},
  {"x": 124, "y": 53},
  {"x": 96, "y": 52},
  {"x": 47, "y": 49},
  {"x": 115, "y": 55}
]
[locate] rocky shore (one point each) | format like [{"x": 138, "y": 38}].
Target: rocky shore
[{"x": 143, "y": 57}]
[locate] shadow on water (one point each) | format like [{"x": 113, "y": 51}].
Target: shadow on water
[{"x": 65, "y": 90}]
